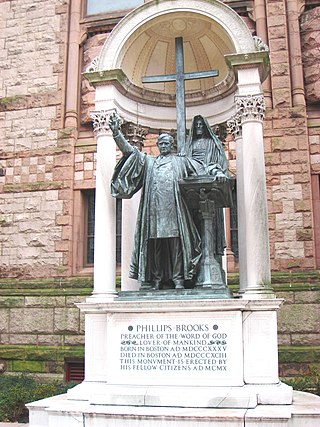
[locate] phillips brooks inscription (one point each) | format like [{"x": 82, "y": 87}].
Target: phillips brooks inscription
[
  {"x": 180, "y": 347},
  {"x": 153, "y": 351}
]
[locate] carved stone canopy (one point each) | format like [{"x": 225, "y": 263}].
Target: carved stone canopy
[{"x": 143, "y": 44}]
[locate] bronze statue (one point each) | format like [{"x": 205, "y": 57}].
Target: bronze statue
[
  {"x": 203, "y": 145},
  {"x": 167, "y": 242}
]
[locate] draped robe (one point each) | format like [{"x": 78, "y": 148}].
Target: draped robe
[
  {"x": 137, "y": 171},
  {"x": 210, "y": 151}
]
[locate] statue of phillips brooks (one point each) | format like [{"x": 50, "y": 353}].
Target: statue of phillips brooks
[{"x": 167, "y": 243}]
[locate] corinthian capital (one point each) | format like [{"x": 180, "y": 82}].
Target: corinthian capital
[
  {"x": 234, "y": 126},
  {"x": 134, "y": 133},
  {"x": 100, "y": 121},
  {"x": 250, "y": 107}
]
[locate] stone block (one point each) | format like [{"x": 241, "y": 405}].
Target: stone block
[
  {"x": 4, "y": 338},
  {"x": 308, "y": 297},
  {"x": 280, "y": 69},
  {"x": 55, "y": 340},
  {"x": 62, "y": 246},
  {"x": 284, "y": 339},
  {"x": 72, "y": 300},
  {"x": 66, "y": 320},
  {"x": 28, "y": 366},
  {"x": 307, "y": 220},
  {"x": 311, "y": 339},
  {"x": 299, "y": 318},
  {"x": 44, "y": 301},
  {"x": 304, "y": 234},
  {"x": 288, "y": 297},
  {"x": 302, "y": 205},
  {"x": 282, "y": 97},
  {"x": 62, "y": 173},
  {"x": 294, "y": 369},
  {"x": 4, "y": 320},
  {"x": 285, "y": 143},
  {"x": 11, "y": 301},
  {"x": 17, "y": 339},
  {"x": 62, "y": 160},
  {"x": 74, "y": 339},
  {"x": 31, "y": 320}
]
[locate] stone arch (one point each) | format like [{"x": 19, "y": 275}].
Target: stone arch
[{"x": 218, "y": 31}]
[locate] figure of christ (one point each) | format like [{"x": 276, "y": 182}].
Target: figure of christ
[
  {"x": 203, "y": 145},
  {"x": 167, "y": 245}
]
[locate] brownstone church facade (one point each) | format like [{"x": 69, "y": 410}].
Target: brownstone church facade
[{"x": 48, "y": 163}]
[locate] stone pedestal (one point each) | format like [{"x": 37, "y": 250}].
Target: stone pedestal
[
  {"x": 182, "y": 353},
  {"x": 175, "y": 363}
]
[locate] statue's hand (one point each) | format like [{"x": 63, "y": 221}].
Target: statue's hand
[
  {"x": 220, "y": 177},
  {"x": 114, "y": 123}
]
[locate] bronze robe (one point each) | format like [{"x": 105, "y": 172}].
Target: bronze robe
[{"x": 138, "y": 170}]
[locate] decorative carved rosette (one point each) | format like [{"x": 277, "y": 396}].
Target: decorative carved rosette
[{"x": 135, "y": 134}]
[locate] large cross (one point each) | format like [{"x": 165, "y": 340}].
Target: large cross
[{"x": 179, "y": 77}]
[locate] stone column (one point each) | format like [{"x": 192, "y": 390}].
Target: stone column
[
  {"x": 252, "y": 199},
  {"x": 72, "y": 85},
  {"x": 262, "y": 32},
  {"x": 135, "y": 134},
  {"x": 295, "y": 56},
  {"x": 105, "y": 211},
  {"x": 235, "y": 128}
]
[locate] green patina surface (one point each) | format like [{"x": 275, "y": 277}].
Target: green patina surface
[
  {"x": 41, "y": 287},
  {"x": 40, "y": 353},
  {"x": 299, "y": 354}
]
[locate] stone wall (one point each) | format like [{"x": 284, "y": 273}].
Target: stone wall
[
  {"x": 287, "y": 151},
  {"x": 33, "y": 199},
  {"x": 40, "y": 326},
  {"x": 310, "y": 37}
]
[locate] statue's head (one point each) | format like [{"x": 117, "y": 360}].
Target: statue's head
[
  {"x": 199, "y": 127},
  {"x": 165, "y": 143}
]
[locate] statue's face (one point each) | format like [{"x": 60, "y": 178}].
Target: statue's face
[
  {"x": 165, "y": 145},
  {"x": 199, "y": 127}
]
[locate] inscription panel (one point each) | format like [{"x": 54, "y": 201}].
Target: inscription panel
[{"x": 155, "y": 349}]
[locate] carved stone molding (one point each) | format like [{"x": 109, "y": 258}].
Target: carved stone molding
[
  {"x": 134, "y": 133},
  {"x": 250, "y": 107},
  {"x": 93, "y": 66},
  {"x": 260, "y": 45}
]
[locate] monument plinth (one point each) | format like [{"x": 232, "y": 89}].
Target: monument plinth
[
  {"x": 190, "y": 359},
  {"x": 181, "y": 354}
]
